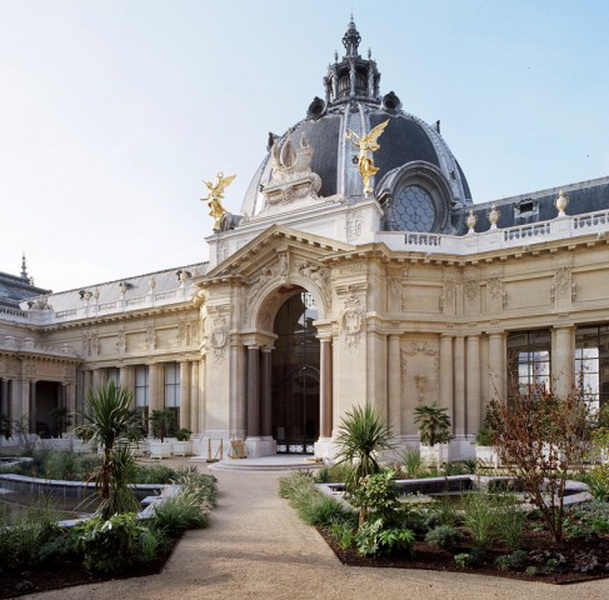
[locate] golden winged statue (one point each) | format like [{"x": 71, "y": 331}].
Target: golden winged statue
[
  {"x": 367, "y": 145},
  {"x": 216, "y": 193}
]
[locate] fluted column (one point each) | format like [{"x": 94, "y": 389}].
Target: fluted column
[
  {"x": 32, "y": 404},
  {"x": 563, "y": 354},
  {"x": 446, "y": 374},
  {"x": 394, "y": 388},
  {"x": 459, "y": 378},
  {"x": 253, "y": 391},
  {"x": 496, "y": 366},
  {"x": 194, "y": 397},
  {"x": 474, "y": 420},
  {"x": 325, "y": 397},
  {"x": 185, "y": 395},
  {"x": 155, "y": 395},
  {"x": 96, "y": 381},
  {"x": 266, "y": 427},
  {"x": 5, "y": 406}
]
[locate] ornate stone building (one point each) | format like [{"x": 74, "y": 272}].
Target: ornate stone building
[{"x": 319, "y": 297}]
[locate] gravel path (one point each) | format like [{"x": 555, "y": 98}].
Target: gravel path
[{"x": 257, "y": 548}]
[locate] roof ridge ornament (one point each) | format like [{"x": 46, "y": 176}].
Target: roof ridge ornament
[{"x": 351, "y": 40}]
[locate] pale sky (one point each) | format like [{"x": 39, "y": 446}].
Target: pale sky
[{"x": 112, "y": 112}]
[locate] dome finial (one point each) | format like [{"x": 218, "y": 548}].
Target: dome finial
[
  {"x": 24, "y": 274},
  {"x": 351, "y": 40}
]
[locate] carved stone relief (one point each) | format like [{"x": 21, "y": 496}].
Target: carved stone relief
[
  {"x": 151, "y": 337},
  {"x": 121, "y": 341},
  {"x": 217, "y": 340},
  {"x": 420, "y": 366},
  {"x": 291, "y": 174},
  {"x": 563, "y": 289},
  {"x": 353, "y": 224},
  {"x": 222, "y": 251},
  {"x": 351, "y": 322},
  {"x": 448, "y": 298}
]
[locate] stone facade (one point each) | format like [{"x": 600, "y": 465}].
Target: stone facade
[{"x": 398, "y": 317}]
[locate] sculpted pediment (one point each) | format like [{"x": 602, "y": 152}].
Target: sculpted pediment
[{"x": 277, "y": 253}]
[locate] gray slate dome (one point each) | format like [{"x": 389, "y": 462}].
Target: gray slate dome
[{"x": 419, "y": 182}]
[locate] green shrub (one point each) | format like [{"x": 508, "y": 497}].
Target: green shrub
[
  {"x": 443, "y": 536},
  {"x": 440, "y": 512},
  {"x": 511, "y": 520},
  {"x": 531, "y": 571},
  {"x": 21, "y": 539},
  {"x": 201, "y": 485},
  {"x": 513, "y": 561},
  {"x": 343, "y": 533},
  {"x": 152, "y": 474},
  {"x": 588, "y": 517},
  {"x": 412, "y": 464},
  {"x": 597, "y": 480},
  {"x": 377, "y": 497},
  {"x": 374, "y": 537},
  {"x": 313, "y": 507},
  {"x": 184, "y": 511},
  {"x": 151, "y": 542},
  {"x": 463, "y": 559},
  {"x": 338, "y": 473},
  {"x": 480, "y": 519},
  {"x": 109, "y": 545}
]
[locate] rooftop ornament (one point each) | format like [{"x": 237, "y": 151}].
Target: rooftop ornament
[
  {"x": 216, "y": 192},
  {"x": 561, "y": 203},
  {"x": 367, "y": 145}
]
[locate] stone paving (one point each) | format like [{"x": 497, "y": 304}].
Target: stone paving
[{"x": 257, "y": 548}]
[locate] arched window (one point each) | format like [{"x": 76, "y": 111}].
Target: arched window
[{"x": 414, "y": 209}]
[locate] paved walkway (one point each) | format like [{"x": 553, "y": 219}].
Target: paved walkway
[{"x": 257, "y": 548}]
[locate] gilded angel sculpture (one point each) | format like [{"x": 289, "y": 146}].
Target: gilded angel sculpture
[
  {"x": 216, "y": 193},
  {"x": 367, "y": 145}
]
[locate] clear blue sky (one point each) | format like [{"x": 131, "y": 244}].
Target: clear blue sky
[{"x": 112, "y": 112}]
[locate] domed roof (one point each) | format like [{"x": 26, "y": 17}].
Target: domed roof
[{"x": 419, "y": 182}]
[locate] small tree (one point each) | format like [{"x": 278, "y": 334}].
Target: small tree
[
  {"x": 540, "y": 438},
  {"x": 6, "y": 427},
  {"x": 434, "y": 424},
  {"x": 361, "y": 436},
  {"x": 110, "y": 422},
  {"x": 162, "y": 423}
]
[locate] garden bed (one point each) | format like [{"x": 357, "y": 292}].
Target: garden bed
[
  {"x": 572, "y": 556},
  {"x": 68, "y": 572}
]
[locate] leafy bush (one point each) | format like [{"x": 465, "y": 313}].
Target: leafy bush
[
  {"x": 200, "y": 485},
  {"x": 152, "y": 474},
  {"x": 491, "y": 518},
  {"x": 109, "y": 545},
  {"x": 21, "y": 539},
  {"x": 313, "y": 507},
  {"x": 589, "y": 517},
  {"x": 597, "y": 480},
  {"x": 412, "y": 464},
  {"x": 440, "y": 512},
  {"x": 443, "y": 536},
  {"x": 374, "y": 537},
  {"x": 151, "y": 542},
  {"x": 464, "y": 559},
  {"x": 338, "y": 473},
  {"x": 343, "y": 533},
  {"x": 481, "y": 519},
  {"x": 511, "y": 562},
  {"x": 182, "y": 512}
]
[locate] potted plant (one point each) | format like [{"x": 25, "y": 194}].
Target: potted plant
[
  {"x": 486, "y": 454},
  {"x": 161, "y": 423},
  {"x": 183, "y": 445},
  {"x": 434, "y": 432}
]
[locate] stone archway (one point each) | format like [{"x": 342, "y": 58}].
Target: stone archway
[{"x": 295, "y": 376}]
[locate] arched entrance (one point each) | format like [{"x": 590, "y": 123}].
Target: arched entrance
[{"x": 295, "y": 376}]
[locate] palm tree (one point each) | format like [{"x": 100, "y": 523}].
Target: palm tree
[
  {"x": 434, "y": 424},
  {"x": 361, "y": 436},
  {"x": 111, "y": 424}
]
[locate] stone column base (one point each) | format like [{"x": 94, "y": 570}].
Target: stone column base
[
  {"x": 260, "y": 446},
  {"x": 325, "y": 448}
]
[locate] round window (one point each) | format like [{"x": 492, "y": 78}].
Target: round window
[{"x": 414, "y": 209}]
